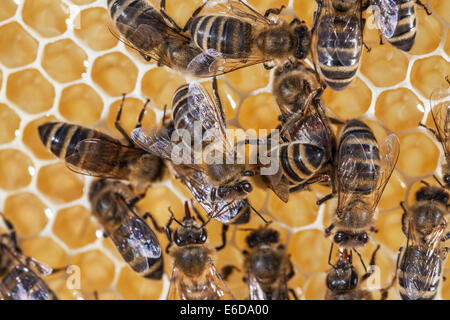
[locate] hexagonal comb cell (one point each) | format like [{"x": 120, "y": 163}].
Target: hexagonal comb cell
[{"x": 44, "y": 49}]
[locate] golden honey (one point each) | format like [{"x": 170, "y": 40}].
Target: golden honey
[{"x": 59, "y": 62}]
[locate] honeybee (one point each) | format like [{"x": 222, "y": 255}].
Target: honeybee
[
  {"x": 18, "y": 281},
  {"x": 267, "y": 265},
  {"x": 440, "y": 111},
  {"x": 192, "y": 106},
  {"x": 194, "y": 276},
  {"x": 337, "y": 41},
  {"x": 236, "y": 36},
  {"x": 306, "y": 152},
  {"x": 419, "y": 265},
  {"x": 343, "y": 282},
  {"x": 111, "y": 203},
  {"x": 396, "y": 20},
  {"x": 363, "y": 169},
  {"x": 88, "y": 151},
  {"x": 154, "y": 35},
  {"x": 158, "y": 140}
]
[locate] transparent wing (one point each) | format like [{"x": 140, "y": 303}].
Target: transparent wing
[
  {"x": 389, "y": 152},
  {"x": 159, "y": 142},
  {"x": 386, "y": 16},
  {"x": 421, "y": 260},
  {"x": 238, "y": 9},
  {"x": 255, "y": 290},
  {"x": 349, "y": 37},
  {"x": 212, "y": 286},
  {"x": 101, "y": 158},
  {"x": 147, "y": 33},
  {"x": 440, "y": 111},
  {"x": 213, "y": 63},
  {"x": 210, "y": 117}
]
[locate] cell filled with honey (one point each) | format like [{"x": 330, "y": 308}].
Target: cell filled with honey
[
  {"x": 9, "y": 122},
  {"x": 81, "y": 104},
  {"x": 17, "y": 46}
]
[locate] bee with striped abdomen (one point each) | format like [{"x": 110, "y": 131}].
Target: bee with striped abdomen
[
  {"x": 419, "y": 265},
  {"x": 396, "y": 20},
  {"x": 196, "y": 115},
  {"x": 194, "y": 276},
  {"x": 153, "y": 34},
  {"x": 307, "y": 149},
  {"x": 18, "y": 281},
  {"x": 235, "y": 35},
  {"x": 112, "y": 205},
  {"x": 440, "y": 111},
  {"x": 337, "y": 41},
  {"x": 363, "y": 168},
  {"x": 91, "y": 152},
  {"x": 267, "y": 266},
  {"x": 343, "y": 282}
]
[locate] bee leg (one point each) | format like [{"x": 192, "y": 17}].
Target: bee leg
[
  {"x": 228, "y": 270},
  {"x": 444, "y": 253},
  {"x": 12, "y": 233},
  {"x": 135, "y": 200},
  {"x": 162, "y": 9},
  {"x": 169, "y": 233},
  {"x": 119, "y": 126},
  {"x": 194, "y": 14},
  {"x": 371, "y": 266},
  {"x": 224, "y": 237},
  {"x": 419, "y": 3},
  {"x": 141, "y": 114},
  {"x": 381, "y": 40},
  {"x": 431, "y": 130},
  {"x": 293, "y": 294},
  {"x": 148, "y": 215},
  {"x": 218, "y": 101},
  {"x": 146, "y": 57},
  {"x": 336, "y": 121},
  {"x": 404, "y": 216},
  {"x": 324, "y": 199},
  {"x": 291, "y": 273},
  {"x": 275, "y": 11},
  {"x": 329, "y": 256},
  {"x": 446, "y": 237},
  {"x": 446, "y": 79}
]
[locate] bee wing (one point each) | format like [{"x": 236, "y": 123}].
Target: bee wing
[
  {"x": 151, "y": 140},
  {"x": 279, "y": 185},
  {"x": 148, "y": 35},
  {"x": 389, "y": 152},
  {"x": 211, "y": 280},
  {"x": 210, "y": 117},
  {"x": 239, "y": 9},
  {"x": 254, "y": 287},
  {"x": 213, "y": 63},
  {"x": 441, "y": 116},
  {"x": 134, "y": 233},
  {"x": 100, "y": 158},
  {"x": 386, "y": 16},
  {"x": 423, "y": 268}
]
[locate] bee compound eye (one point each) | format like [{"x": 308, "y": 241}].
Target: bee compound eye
[
  {"x": 247, "y": 187},
  {"x": 339, "y": 237}
]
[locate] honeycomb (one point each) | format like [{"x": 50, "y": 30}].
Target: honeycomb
[{"x": 58, "y": 61}]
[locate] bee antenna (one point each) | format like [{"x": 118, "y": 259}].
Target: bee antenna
[
  {"x": 425, "y": 183},
  {"x": 246, "y": 229},
  {"x": 173, "y": 217},
  {"x": 362, "y": 261},
  {"x": 329, "y": 257},
  {"x": 259, "y": 214},
  {"x": 438, "y": 181}
]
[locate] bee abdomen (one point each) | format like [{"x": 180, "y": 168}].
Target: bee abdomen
[
  {"x": 225, "y": 34},
  {"x": 62, "y": 138},
  {"x": 419, "y": 274},
  {"x": 338, "y": 53},
  {"x": 405, "y": 31},
  {"x": 130, "y": 15},
  {"x": 360, "y": 145},
  {"x": 300, "y": 161}
]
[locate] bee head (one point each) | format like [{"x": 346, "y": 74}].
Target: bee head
[
  {"x": 189, "y": 233},
  {"x": 264, "y": 235},
  {"x": 342, "y": 278},
  {"x": 432, "y": 193},
  {"x": 239, "y": 190},
  {"x": 303, "y": 41},
  {"x": 350, "y": 240}
]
